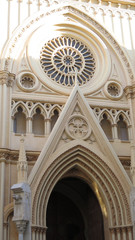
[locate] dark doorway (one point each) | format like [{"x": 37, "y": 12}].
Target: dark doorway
[{"x": 73, "y": 212}]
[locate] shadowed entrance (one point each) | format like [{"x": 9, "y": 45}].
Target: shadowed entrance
[{"x": 73, "y": 212}]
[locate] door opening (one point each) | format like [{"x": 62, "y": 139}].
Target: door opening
[{"x": 73, "y": 212}]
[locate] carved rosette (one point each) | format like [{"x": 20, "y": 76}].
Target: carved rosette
[{"x": 78, "y": 127}]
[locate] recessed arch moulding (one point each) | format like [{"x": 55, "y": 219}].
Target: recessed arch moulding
[
  {"x": 28, "y": 40},
  {"x": 78, "y": 160}
]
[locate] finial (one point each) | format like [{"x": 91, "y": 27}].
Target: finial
[
  {"x": 75, "y": 72},
  {"x": 22, "y": 166}
]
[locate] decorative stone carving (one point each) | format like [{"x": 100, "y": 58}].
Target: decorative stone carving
[
  {"x": 22, "y": 197},
  {"x": 60, "y": 56},
  {"x": 21, "y": 226},
  {"x": 27, "y": 81},
  {"x": 22, "y": 166},
  {"x": 95, "y": 167},
  {"x": 6, "y": 78},
  {"x": 22, "y": 209},
  {"x": 71, "y": 9},
  {"x": 78, "y": 127},
  {"x": 113, "y": 90},
  {"x": 130, "y": 91},
  {"x": 113, "y": 114}
]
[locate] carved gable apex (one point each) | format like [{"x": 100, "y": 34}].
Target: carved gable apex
[
  {"x": 77, "y": 121},
  {"x": 77, "y": 127}
]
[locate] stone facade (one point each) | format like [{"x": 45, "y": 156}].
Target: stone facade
[{"x": 67, "y": 84}]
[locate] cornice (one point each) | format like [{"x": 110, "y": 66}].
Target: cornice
[
  {"x": 124, "y": 2},
  {"x": 11, "y": 156}
]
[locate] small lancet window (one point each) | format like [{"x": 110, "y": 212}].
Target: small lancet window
[
  {"x": 106, "y": 126},
  {"x": 38, "y": 123},
  {"x": 54, "y": 118},
  {"x": 20, "y": 121},
  {"x": 122, "y": 129}
]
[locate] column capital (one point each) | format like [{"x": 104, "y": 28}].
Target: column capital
[
  {"x": 130, "y": 91},
  {"x": 7, "y": 78},
  {"x": 36, "y": 228},
  {"x": 21, "y": 225}
]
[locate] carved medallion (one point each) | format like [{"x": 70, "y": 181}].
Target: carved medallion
[{"x": 78, "y": 127}]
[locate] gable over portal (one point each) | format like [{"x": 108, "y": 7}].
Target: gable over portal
[{"x": 78, "y": 147}]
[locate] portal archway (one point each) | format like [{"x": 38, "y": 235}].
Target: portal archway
[
  {"x": 79, "y": 161},
  {"x": 74, "y": 212}
]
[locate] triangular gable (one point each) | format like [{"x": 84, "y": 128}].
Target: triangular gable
[{"x": 77, "y": 122}]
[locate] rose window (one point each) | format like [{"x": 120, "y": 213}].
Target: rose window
[
  {"x": 61, "y": 56},
  {"x": 113, "y": 89},
  {"x": 27, "y": 81}
]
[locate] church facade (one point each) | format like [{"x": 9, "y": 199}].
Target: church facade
[{"x": 67, "y": 120}]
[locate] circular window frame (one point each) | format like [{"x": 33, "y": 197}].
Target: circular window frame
[
  {"x": 97, "y": 47},
  {"x": 116, "y": 83},
  {"x": 21, "y": 75},
  {"x": 61, "y": 56}
]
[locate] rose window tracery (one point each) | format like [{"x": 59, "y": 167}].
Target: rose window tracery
[
  {"x": 113, "y": 89},
  {"x": 60, "y": 57},
  {"x": 27, "y": 81}
]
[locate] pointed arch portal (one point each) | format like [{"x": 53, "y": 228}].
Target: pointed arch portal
[
  {"x": 81, "y": 167},
  {"x": 73, "y": 212}
]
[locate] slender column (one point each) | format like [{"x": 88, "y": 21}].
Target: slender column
[
  {"x": 33, "y": 234},
  {"x": 40, "y": 234},
  {"x": 0, "y": 113},
  {"x": 6, "y": 81},
  {"x": 130, "y": 132},
  {"x": 29, "y": 125},
  {"x": 2, "y": 183},
  {"x": 5, "y": 230},
  {"x": 47, "y": 126},
  {"x": 36, "y": 235},
  {"x": 115, "y": 133},
  {"x": 44, "y": 235},
  {"x": 12, "y": 124},
  {"x": 20, "y": 236},
  {"x": 112, "y": 234},
  {"x": 124, "y": 233},
  {"x": 4, "y": 115},
  {"x": 130, "y": 94},
  {"x": 129, "y": 229},
  {"x": 118, "y": 234}
]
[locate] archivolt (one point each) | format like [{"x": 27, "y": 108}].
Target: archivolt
[{"x": 96, "y": 170}]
